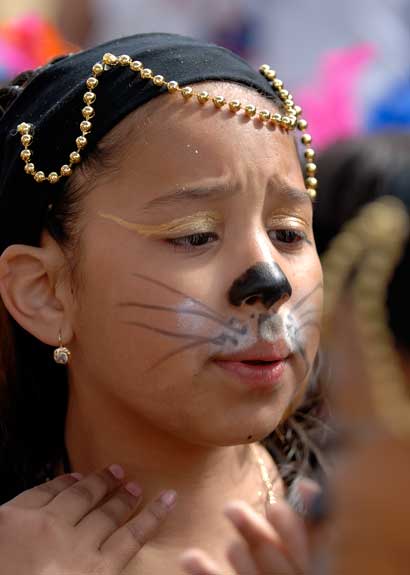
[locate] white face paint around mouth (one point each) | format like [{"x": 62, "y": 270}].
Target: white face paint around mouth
[{"x": 202, "y": 322}]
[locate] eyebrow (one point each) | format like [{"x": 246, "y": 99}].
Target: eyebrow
[{"x": 221, "y": 190}]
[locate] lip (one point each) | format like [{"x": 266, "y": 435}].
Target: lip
[{"x": 257, "y": 376}]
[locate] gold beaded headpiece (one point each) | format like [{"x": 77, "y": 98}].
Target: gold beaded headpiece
[
  {"x": 288, "y": 121},
  {"x": 375, "y": 238}
]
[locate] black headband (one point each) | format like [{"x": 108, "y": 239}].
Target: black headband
[{"x": 52, "y": 102}]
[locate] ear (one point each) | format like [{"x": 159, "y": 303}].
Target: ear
[{"x": 33, "y": 290}]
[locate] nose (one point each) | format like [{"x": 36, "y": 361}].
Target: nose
[{"x": 262, "y": 283}]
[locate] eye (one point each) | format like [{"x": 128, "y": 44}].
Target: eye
[
  {"x": 194, "y": 240},
  {"x": 287, "y": 236}
]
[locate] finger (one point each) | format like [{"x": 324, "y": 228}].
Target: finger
[
  {"x": 254, "y": 528},
  {"x": 41, "y": 495},
  {"x": 241, "y": 559},
  {"x": 197, "y": 562},
  {"x": 265, "y": 545},
  {"x": 75, "y": 502},
  {"x": 122, "y": 545},
  {"x": 291, "y": 529},
  {"x": 104, "y": 520}
]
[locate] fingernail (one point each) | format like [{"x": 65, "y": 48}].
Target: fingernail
[
  {"x": 117, "y": 471},
  {"x": 133, "y": 488},
  {"x": 168, "y": 498},
  {"x": 77, "y": 476}
]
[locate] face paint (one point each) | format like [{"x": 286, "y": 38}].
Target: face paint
[
  {"x": 201, "y": 222},
  {"x": 263, "y": 282}
]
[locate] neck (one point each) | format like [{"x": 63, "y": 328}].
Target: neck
[{"x": 101, "y": 432}]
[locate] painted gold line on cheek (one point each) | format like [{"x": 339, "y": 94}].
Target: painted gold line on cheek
[{"x": 201, "y": 222}]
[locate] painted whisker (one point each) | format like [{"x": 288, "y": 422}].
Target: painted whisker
[
  {"x": 166, "y": 332},
  {"x": 178, "y": 292},
  {"x": 215, "y": 340},
  {"x": 197, "y": 313},
  {"x": 311, "y": 323},
  {"x": 299, "y": 303},
  {"x": 307, "y": 313}
]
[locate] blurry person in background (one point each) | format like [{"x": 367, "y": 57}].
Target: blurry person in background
[
  {"x": 234, "y": 24},
  {"x": 354, "y": 172}
]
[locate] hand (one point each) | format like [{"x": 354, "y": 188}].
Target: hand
[
  {"x": 276, "y": 545},
  {"x": 75, "y": 525}
]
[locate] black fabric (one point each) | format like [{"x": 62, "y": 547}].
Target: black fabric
[{"x": 53, "y": 101}]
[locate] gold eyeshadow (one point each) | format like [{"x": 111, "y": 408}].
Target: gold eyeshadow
[
  {"x": 286, "y": 221},
  {"x": 200, "y": 222}
]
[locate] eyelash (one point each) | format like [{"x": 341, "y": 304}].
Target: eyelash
[
  {"x": 193, "y": 241},
  {"x": 297, "y": 235},
  {"x": 201, "y": 239}
]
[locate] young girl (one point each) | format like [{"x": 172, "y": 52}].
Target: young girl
[{"x": 156, "y": 231}]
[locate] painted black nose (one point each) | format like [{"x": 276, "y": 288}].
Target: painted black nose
[{"x": 262, "y": 283}]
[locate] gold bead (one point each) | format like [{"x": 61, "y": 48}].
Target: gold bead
[
  {"x": 98, "y": 69},
  {"x": 276, "y": 118},
  {"x": 264, "y": 115},
  {"x": 85, "y": 126},
  {"x": 302, "y": 124},
  {"x": 172, "y": 86},
  {"x": 146, "y": 73},
  {"x": 203, "y": 97},
  {"x": 187, "y": 92},
  {"x": 24, "y": 128},
  {"x": 219, "y": 101},
  {"x": 66, "y": 170},
  {"x": 292, "y": 121},
  {"x": 283, "y": 94},
  {"x": 81, "y": 142},
  {"x": 311, "y": 168},
  {"x": 26, "y": 139},
  {"x": 285, "y": 122},
  {"x": 234, "y": 105},
  {"x": 250, "y": 110},
  {"x": 89, "y": 98},
  {"x": 311, "y": 183},
  {"x": 309, "y": 154},
  {"x": 25, "y": 155},
  {"x": 53, "y": 177},
  {"x": 136, "y": 66},
  {"x": 270, "y": 75},
  {"x": 39, "y": 177},
  {"x": 264, "y": 68},
  {"x": 312, "y": 193},
  {"x": 298, "y": 110},
  {"x": 92, "y": 83},
  {"x": 29, "y": 168},
  {"x": 277, "y": 84},
  {"x": 75, "y": 157},
  {"x": 124, "y": 60},
  {"x": 88, "y": 112},
  {"x": 158, "y": 80},
  {"x": 109, "y": 59},
  {"x": 306, "y": 139}
]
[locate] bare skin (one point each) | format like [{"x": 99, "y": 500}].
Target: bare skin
[{"x": 178, "y": 420}]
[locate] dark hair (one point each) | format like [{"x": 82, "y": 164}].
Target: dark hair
[
  {"x": 34, "y": 390},
  {"x": 353, "y": 173}
]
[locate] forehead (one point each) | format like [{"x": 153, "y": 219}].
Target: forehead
[{"x": 176, "y": 141}]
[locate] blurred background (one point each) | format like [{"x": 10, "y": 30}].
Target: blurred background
[{"x": 346, "y": 62}]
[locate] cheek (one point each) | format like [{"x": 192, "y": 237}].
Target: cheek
[{"x": 139, "y": 322}]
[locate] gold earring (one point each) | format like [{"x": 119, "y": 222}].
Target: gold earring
[{"x": 61, "y": 354}]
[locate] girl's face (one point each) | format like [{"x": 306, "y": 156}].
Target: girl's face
[{"x": 200, "y": 291}]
